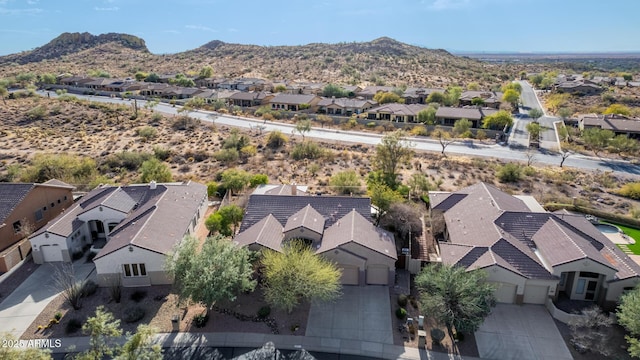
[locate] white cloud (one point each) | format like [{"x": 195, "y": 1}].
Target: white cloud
[
  {"x": 448, "y": 4},
  {"x": 200, "y": 27},
  {"x": 113, "y": 8}
]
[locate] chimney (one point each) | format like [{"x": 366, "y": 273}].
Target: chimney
[
  {"x": 294, "y": 189},
  {"x": 152, "y": 185}
]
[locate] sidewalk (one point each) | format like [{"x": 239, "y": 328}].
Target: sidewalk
[
  {"x": 282, "y": 342},
  {"x": 27, "y": 301}
]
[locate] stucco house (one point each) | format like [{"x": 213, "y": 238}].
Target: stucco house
[
  {"x": 619, "y": 124},
  {"x": 294, "y": 102},
  {"x": 248, "y": 99},
  {"x": 396, "y": 112},
  {"x": 131, "y": 228},
  {"x": 344, "y": 106},
  {"x": 336, "y": 227},
  {"x": 25, "y": 207},
  {"x": 530, "y": 254},
  {"x": 449, "y": 115},
  {"x": 490, "y": 99}
]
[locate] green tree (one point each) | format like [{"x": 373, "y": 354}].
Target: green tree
[
  {"x": 101, "y": 328},
  {"x": 535, "y": 114},
  {"x": 141, "y": 76},
  {"x": 453, "y": 95},
  {"x": 346, "y": 182},
  {"x": 387, "y": 97},
  {"x": 427, "y": 115},
  {"x": 597, "y": 139},
  {"x": 220, "y": 271},
  {"x": 564, "y": 113},
  {"x": 235, "y": 180},
  {"x": 334, "y": 90},
  {"x": 629, "y": 317},
  {"x": 630, "y": 190},
  {"x": 477, "y": 101},
  {"x": 181, "y": 80},
  {"x": 534, "y": 130},
  {"x": 382, "y": 197},
  {"x": 324, "y": 119},
  {"x": 71, "y": 169},
  {"x": 154, "y": 169},
  {"x": 436, "y": 97},
  {"x": 21, "y": 353},
  {"x": 393, "y": 151},
  {"x": 536, "y": 80},
  {"x": 512, "y": 86},
  {"x": 303, "y": 127},
  {"x": 258, "y": 179},
  {"x": 618, "y": 109},
  {"x": 276, "y": 139},
  {"x": 139, "y": 346},
  {"x": 297, "y": 274},
  {"x": 279, "y": 88},
  {"x": 512, "y": 97},
  {"x": 48, "y": 78},
  {"x": 461, "y": 126},
  {"x": 473, "y": 86},
  {"x": 498, "y": 120},
  {"x": 419, "y": 185},
  {"x": 457, "y": 298},
  {"x": 622, "y": 144},
  {"x": 205, "y": 72},
  {"x": 231, "y": 216},
  {"x": 215, "y": 224},
  {"x": 153, "y": 77}
]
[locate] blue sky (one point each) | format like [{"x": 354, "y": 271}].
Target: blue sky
[{"x": 170, "y": 26}]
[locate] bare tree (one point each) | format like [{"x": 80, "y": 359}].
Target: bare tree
[
  {"x": 115, "y": 287},
  {"x": 444, "y": 137},
  {"x": 65, "y": 280},
  {"x": 591, "y": 331},
  {"x": 26, "y": 228},
  {"x": 531, "y": 156}
]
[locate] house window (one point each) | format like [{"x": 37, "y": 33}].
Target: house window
[
  {"x": 587, "y": 274},
  {"x": 44, "y": 208},
  {"x": 563, "y": 279},
  {"x": 39, "y": 215},
  {"x": 53, "y": 204},
  {"x": 65, "y": 198},
  {"x": 17, "y": 226},
  {"x": 134, "y": 270},
  {"x": 580, "y": 287}
]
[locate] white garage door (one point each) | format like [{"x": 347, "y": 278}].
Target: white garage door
[
  {"x": 51, "y": 253},
  {"x": 378, "y": 275},
  {"x": 349, "y": 275},
  {"x": 535, "y": 294},
  {"x": 505, "y": 293}
]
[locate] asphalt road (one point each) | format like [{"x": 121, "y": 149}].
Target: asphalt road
[
  {"x": 548, "y": 137},
  {"x": 508, "y": 153}
]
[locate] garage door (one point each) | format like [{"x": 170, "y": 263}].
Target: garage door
[
  {"x": 51, "y": 253},
  {"x": 349, "y": 275},
  {"x": 535, "y": 294},
  {"x": 378, "y": 275},
  {"x": 505, "y": 293}
]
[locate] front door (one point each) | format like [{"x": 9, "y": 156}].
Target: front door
[
  {"x": 592, "y": 286},
  {"x": 586, "y": 289}
]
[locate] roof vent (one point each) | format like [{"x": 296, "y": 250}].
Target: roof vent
[{"x": 152, "y": 185}]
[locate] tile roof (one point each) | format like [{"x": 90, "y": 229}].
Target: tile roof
[
  {"x": 308, "y": 218},
  {"x": 372, "y": 90},
  {"x": 353, "y": 227},
  {"x": 471, "y": 113},
  {"x": 487, "y": 96},
  {"x": 419, "y": 91},
  {"x": 298, "y": 99},
  {"x": 249, "y": 95},
  {"x": 346, "y": 102},
  {"x": 282, "y": 207},
  {"x": 487, "y": 226},
  {"x": 11, "y": 194},
  {"x": 612, "y": 122},
  {"x": 267, "y": 232},
  {"x": 399, "y": 109}
]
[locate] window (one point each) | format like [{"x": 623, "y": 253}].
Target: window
[
  {"x": 39, "y": 215},
  {"x": 17, "y": 226},
  {"x": 587, "y": 274},
  {"x": 53, "y": 204},
  {"x": 134, "y": 270},
  {"x": 563, "y": 279},
  {"x": 58, "y": 201},
  {"x": 65, "y": 198},
  {"x": 580, "y": 287}
]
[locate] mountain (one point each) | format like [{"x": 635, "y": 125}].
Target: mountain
[
  {"x": 383, "y": 61},
  {"x": 70, "y": 43}
]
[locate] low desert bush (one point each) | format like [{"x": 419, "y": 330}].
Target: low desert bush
[
  {"x": 89, "y": 288},
  {"x": 264, "y": 311},
  {"x": 73, "y": 325},
  {"x": 147, "y": 133},
  {"x": 307, "y": 150},
  {"x": 401, "y": 313},
  {"x": 133, "y": 314},
  {"x": 200, "y": 320},
  {"x": 510, "y": 172},
  {"x": 138, "y": 295},
  {"x": 403, "y": 300}
]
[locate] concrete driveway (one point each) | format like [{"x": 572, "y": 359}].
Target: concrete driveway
[
  {"x": 521, "y": 332},
  {"x": 362, "y": 313},
  {"x": 28, "y": 300}
]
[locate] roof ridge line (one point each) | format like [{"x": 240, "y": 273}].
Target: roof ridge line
[{"x": 555, "y": 223}]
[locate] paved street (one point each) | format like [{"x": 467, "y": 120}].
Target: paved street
[
  {"x": 470, "y": 148},
  {"x": 548, "y": 137}
]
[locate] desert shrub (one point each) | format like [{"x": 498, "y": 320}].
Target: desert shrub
[
  {"x": 127, "y": 159},
  {"x": 467, "y": 135},
  {"x": 200, "y": 320},
  {"x": 227, "y": 155},
  {"x": 510, "y": 172},
  {"x": 133, "y": 314},
  {"x": 212, "y": 188},
  {"x": 147, "y": 133},
  {"x": 89, "y": 288},
  {"x": 161, "y": 153},
  {"x": 197, "y": 155},
  {"x": 264, "y": 311},
  {"x": 276, "y": 139},
  {"x": 401, "y": 313},
  {"x": 403, "y": 300},
  {"x": 185, "y": 123},
  {"x": 437, "y": 335},
  {"x": 37, "y": 113},
  {"x": 419, "y": 131},
  {"x": 235, "y": 140},
  {"x": 481, "y": 134},
  {"x": 138, "y": 295},
  {"x": 258, "y": 179},
  {"x": 73, "y": 325},
  {"x": 371, "y": 124},
  {"x": 630, "y": 190},
  {"x": 68, "y": 168},
  {"x": 58, "y": 316},
  {"x": 307, "y": 150},
  {"x": 529, "y": 171},
  {"x": 346, "y": 182},
  {"x": 156, "y": 118}
]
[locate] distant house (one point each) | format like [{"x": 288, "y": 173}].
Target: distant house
[
  {"x": 294, "y": 102},
  {"x": 338, "y": 228},
  {"x": 619, "y": 124},
  {"x": 418, "y": 95},
  {"x": 532, "y": 256},
  {"x": 578, "y": 87},
  {"x": 490, "y": 99},
  {"x": 24, "y": 208},
  {"x": 310, "y": 88},
  {"x": 210, "y": 83},
  {"x": 131, "y": 228},
  {"x": 271, "y": 189},
  {"x": 370, "y": 91},
  {"x": 396, "y": 112},
  {"x": 449, "y": 115},
  {"x": 154, "y": 89},
  {"x": 351, "y": 90},
  {"x": 210, "y": 96},
  {"x": 248, "y": 99},
  {"x": 179, "y": 92},
  {"x": 344, "y": 106},
  {"x": 75, "y": 81}
]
